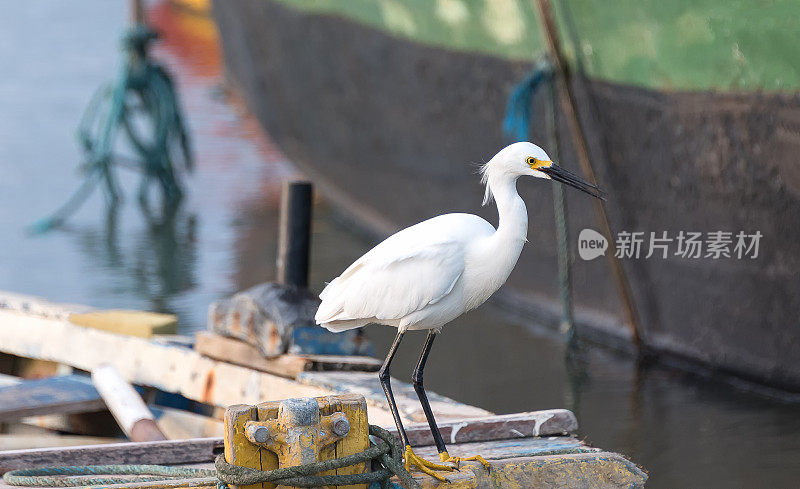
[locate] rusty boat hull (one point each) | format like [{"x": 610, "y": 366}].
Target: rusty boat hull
[{"x": 393, "y": 128}]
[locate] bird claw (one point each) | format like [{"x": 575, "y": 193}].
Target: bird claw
[
  {"x": 456, "y": 461},
  {"x": 425, "y": 466}
]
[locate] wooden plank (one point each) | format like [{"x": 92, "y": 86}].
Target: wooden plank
[
  {"x": 504, "y": 449},
  {"x": 495, "y": 427},
  {"x": 598, "y": 470},
  {"x": 24, "y": 442},
  {"x": 132, "y": 323},
  {"x": 142, "y": 362},
  {"x": 239, "y": 352},
  {"x": 589, "y": 470},
  {"x": 498, "y": 427},
  {"x": 36, "y": 306},
  {"x": 177, "y": 424},
  {"x": 62, "y": 395},
  {"x": 170, "y": 452},
  {"x": 184, "y": 371},
  {"x": 530, "y": 462},
  {"x": 367, "y": 385},
  {"x": 94, "y": 423}
]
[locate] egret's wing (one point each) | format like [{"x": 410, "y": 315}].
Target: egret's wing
[{"x": 394, "y": 279}]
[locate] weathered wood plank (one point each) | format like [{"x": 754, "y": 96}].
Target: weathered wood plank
[
  {"x": 367, "y": 385},
  {"x": 239, "y": 352},
  {"x": 142, "y": 362},
  {"x": 36, "y": 306},
  {"x": 181, "y": 425},
  {"x": 504, "y": 449},
  {"x": 515, "y": 463},
  {"x": 24, "y": 442},
  {"x": 132, "y": 323},
  {"x": 170, "y": 452},
  {"x": 184, "y": 371},
  {"x": 498, "y": 427},
  {"x": 62, "y": 395},
  {"x": 598, "y": 470},
  {"x": 502, "y": 427}
]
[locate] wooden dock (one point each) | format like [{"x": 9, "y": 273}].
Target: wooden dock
[
  {"x": 533, "y": 449},
  {"x": 541, "y": 462}
]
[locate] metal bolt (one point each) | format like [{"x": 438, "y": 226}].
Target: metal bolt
[
  {"x": 259, "y": 434},
  {"x": 341, "y": 426}
]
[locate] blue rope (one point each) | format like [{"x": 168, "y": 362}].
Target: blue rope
[{"x": 517, "y": 123}]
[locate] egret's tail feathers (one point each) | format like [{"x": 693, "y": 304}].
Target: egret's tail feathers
[{"x": 339, "y": 326}]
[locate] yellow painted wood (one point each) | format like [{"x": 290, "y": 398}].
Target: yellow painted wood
[
  {"x": 269, "y": 459},
  {"x": 599, "y": 470},
  {"x": 131, "y": 323},
  {"x": 357, "y": 440},
  {"x": 292, "y": 445},
  {"x": 238, "y": 449}
]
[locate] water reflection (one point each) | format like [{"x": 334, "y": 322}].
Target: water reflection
[{"x": 155, "y": 262}]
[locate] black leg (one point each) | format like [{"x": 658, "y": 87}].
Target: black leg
[
  {"x": 385, "y": 378},
  {"x": 416, "y": 379}
]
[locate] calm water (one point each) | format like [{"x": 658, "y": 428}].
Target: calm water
[{"x": 688, "y": 433}]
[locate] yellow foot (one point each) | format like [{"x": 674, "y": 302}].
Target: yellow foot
[
  {"x": 423, "y": 465},
  {"x": 446, "y": 458}
]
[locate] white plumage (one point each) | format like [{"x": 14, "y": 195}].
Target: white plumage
[{"x": 428, "y": 274}]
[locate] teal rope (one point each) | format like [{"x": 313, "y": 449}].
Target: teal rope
[
  {"x": 160, "y": 153},
  {"x": 384, "y": 449},
  {"x": 517, "y": 122}
]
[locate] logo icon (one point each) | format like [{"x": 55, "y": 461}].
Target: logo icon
[{"x": 591, "y": 244}]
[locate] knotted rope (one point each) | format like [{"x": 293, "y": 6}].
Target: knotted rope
[{"x": 384, "y": 451}]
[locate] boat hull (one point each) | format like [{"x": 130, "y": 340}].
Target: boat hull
[{"x": 395, "y": 129}]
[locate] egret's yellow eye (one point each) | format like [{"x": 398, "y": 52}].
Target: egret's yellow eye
[{"x": 536, "y": 164}]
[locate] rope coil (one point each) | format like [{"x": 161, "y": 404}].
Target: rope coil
[{"x": 384, "y": 451}]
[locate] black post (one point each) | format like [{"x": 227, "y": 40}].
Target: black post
[{"x": 295, "y": 234}]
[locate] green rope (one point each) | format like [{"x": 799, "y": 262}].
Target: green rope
[
  {"x": 562, "y": 229},
  {"x": 384, "y": 449},
  {"x": 143, "y": 90},
  {"x": 517, "y": 127}
]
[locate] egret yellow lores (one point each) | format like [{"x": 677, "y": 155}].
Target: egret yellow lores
[{"x": 424, "y": 276}]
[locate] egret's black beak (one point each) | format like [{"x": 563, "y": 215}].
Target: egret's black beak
[{"x": 561, "y": 175}]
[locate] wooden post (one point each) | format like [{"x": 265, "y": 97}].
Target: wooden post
[
  {"x": 294, "y": 242},
  {"x": 126, "y": 405},
  {"x": 569, "y": 106}
]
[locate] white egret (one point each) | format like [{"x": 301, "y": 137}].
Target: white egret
[{"x": 426, "y": 275}]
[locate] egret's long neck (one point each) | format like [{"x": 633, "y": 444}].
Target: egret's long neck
[{"x": 513, "y": 225}]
